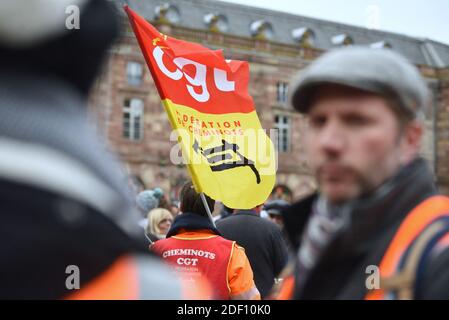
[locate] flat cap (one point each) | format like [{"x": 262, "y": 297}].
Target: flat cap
[
  {"x": 276, "y": 207},
  {"x": 380, "y": 71}
]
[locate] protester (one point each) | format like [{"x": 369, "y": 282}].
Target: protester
[
  {"x": 274, "y": 209},
  {"x": 377, "y": 205},
  {"x": 164, "y": 203},
  {"x": 159, "y": 222},
  {"x": 174, "y": 208},
  {"x": 196, "y": 249},
  {"x": 224, "y": 213},
  {"x": 146, "y": 201},
  {"x": 68, "y": 227},
  {"x": 263, "y": 243}
]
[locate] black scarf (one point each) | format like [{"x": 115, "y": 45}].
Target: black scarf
[{"x": 191, "y": 221}]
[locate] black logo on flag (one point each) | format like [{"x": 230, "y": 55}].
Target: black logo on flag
[{"x": 220, "y": 158}]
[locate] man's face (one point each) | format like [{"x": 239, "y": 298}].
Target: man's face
[{"x": 353, "y": 142}]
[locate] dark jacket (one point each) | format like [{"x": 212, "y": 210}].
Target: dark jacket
[
  {"x": 263, "y": 243},
  {"x": 63, "y": 198},
  {"x": 340, "y": 273}
]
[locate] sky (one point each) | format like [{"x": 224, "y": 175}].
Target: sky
[{"x": 416, "y": 18}]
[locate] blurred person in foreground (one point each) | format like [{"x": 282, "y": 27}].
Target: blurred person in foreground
[
  {"x": 376, "y": 228},
  {"x": 196, "y": 249},
  {"x": 68, "y": 227}
]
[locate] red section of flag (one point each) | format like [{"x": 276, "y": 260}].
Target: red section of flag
[{"x": 192, "y": 75}]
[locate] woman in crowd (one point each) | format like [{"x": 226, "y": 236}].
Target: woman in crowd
[{"x": 159, "y": 222}]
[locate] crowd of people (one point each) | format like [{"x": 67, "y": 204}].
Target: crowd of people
[{"x": 249, "y": 251}]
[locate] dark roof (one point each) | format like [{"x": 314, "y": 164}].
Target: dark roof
[{"x": 240, "y": 17}]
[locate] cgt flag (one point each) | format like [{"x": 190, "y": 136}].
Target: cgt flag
[{"x": 228, "y": 154}]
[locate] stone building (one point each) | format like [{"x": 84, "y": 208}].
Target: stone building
[{"x": 128, "y": 111}]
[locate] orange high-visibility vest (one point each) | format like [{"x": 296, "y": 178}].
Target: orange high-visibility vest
[
  {"x": 196, "y": 258},
  {"x": 416, "y": 221},
  {"x": 121, "y": 281},
  {"x": 118, "y": 282}
]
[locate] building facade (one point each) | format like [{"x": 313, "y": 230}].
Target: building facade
[{"x": 126, "y": 107}]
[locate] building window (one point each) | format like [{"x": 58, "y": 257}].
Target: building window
[
  {"x": 282, "y": 92},
  {"x": 167, "y": 14},
  {"x": 342, "y": 40},
  {"x": 262, "y": 30},
  {"x": 133, "y": 119},
  {"x": 134, "y": 73},
  {"x": 304, "y": 36},
  {"x": 381, "y": 45},
  {"x": 283, "y": 125},
  {"x": 216, "y": 22}
]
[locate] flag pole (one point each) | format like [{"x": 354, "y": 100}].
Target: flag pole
[{"x": 203, "y": 198}]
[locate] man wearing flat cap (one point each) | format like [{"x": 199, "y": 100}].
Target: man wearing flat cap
[{"x": 377, "y": 227}]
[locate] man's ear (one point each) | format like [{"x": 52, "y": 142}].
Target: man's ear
[{"x": 411, "y": 140}]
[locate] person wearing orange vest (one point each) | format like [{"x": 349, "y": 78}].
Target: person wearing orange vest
[
  {"x": 377, "y": 227},
  {"x": 197, "y": 251}
]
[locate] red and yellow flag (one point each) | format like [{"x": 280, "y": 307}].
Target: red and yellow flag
[{"x": 229, "y": 156}]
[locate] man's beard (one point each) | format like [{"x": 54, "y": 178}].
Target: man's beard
[{"x": 358, "y": 183}]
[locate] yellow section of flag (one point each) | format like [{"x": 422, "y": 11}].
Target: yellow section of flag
[{"x": 229, "y": 156}]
